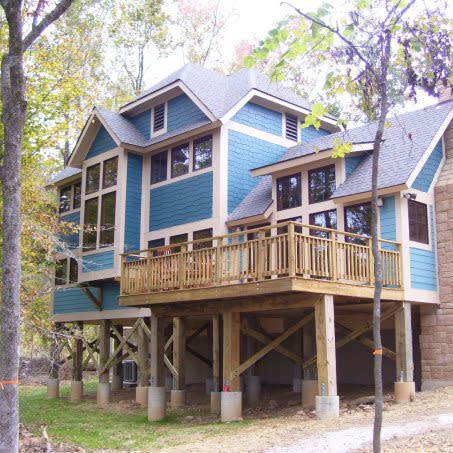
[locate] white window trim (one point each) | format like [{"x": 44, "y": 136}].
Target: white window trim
[
  {"x": 420, "y": 245},
  {"x": 164, "y": 129}
]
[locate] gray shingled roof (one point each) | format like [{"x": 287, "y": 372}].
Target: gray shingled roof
[
  {"x": 405, "y": 142},
  {"x": 66, "y": 173}
]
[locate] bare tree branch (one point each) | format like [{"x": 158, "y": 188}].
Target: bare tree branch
[{"x": 50, "y": 17}]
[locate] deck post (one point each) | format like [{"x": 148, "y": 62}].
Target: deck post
[
  {"x": 77, "y": 364},
  {"x": 117, "y": 369},
  {"x": 103, "y": 388},
  {"x": 53, "y": 384},
  {"x": 231, "y": 399},
  {"x": 404, "y": 385},
  {"x": 141, "y": 391},
  {"x": 327, "y": 400},
  {"x": 215, "y": 393},
  {"x": 178, "y": 393},
  {"x": 157, "y": 403}
]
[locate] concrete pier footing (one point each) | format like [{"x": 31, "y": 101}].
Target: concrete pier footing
[
  {"x": 53, "y": 388},
  {"x": 157, "y": 403},
  {"x": 404, "y": 392},
  {"x": 309, "y": 389},
  {"x": 76, "y": 390},
  {"x": 231, "y": 406},
  {"x": 141, "y": 396},
  {"x": 178, "y": 398},
  {"x": 103, "y": 394},
  {"x": 327, "y": 406}
]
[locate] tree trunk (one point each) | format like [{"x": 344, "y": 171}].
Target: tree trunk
[{"x": 14, "y": 112}]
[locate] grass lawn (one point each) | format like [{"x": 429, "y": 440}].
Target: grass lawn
[{"x": 117, "y": 427}]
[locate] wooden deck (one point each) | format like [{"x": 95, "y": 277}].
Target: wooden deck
[{"x": 279, "y": 259}]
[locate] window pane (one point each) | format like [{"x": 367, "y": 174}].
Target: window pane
[
  {"x": 65, "y": 199},
  {"x": 61, "y": 272},
  {"x": 73, "y": 270},
  {"x": 110, "y": 173},
  {"x": 177, "y": 240},
  {"x": 107, "y": 220},
  {"x": 90, "y": 224},
  {"x": 326, "y": 219},
  {"x": 202, "y": 153},
  {"x": 92, "y": 181},
  {"x": 418, "y": 222},
  {"x": 283, "y": 230},
  {"x": 358, "y": 221},
  {"x": 321, "y": 183},
  {"x": 159, "y": 167},
  {"x": 77, "y": 195},
  {"x": 202, "y": 234},
  {"x": 180, "y": 160},
  {"x": 289, "y": 192}
]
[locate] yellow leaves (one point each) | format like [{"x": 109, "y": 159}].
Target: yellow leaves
[{"x": 340, "y": 148}]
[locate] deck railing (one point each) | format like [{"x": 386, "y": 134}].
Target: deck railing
[{"x": 288, "y": 249}]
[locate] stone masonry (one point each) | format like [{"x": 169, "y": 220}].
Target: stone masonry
[{"x": 436, "y": 339}]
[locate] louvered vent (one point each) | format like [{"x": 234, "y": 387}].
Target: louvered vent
[
  {"x": 291, "y": 127},
  {"x": 159, "y": 117}
]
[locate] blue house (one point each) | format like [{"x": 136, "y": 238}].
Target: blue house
[{"x": 204, "y": 201}]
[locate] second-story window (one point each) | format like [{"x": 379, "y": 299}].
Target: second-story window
[
  {"x": 289, "y": 193},
  {"x": 180, "y": 160},
  {"x": 202, "y": 234},
  {"x": 178, "y": 239},
  {"x": 107, "y": 234},
  {"x": 325, "y": 219},
  {"x": 90, "y": 222},
  {"x": 69, "y": 197},
  {"x": 110, "y": 173},
  {"x": 77, "y": 195},
  {"x": 159, "y": 167},
  {"x": 357, "y": 219},
  {"x": 321, "y": 183},
  {"x": 418, "y": 222},
  {"x": 202, "y": 153},
  {"x": 66, "y": 271},
  {"x": 92, "y": 178}
]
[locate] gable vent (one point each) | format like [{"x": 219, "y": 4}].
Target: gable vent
[
  {"x": 291, "y": 127},
  {"x": 159, "y": 117}
]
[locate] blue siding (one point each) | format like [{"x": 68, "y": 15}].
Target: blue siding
[
  {"x": 423, "y": 264},
  {"x": 426, "y": 175},
  {"x": 110, "y": 293},
  {"x": 310, "y": 133},
  {"x": 181, "y": 202},
  {"x": 388, "y": 221},
  {"x": 97, "y": 261},
  {"x": 142, "y": 122},
  {"x": 244, "y": 153},
  {"x": 133, "y": 203},
  {"x": 72, "y": 239},
  {"x": 261, "y": 118},
  {"x": 182, "y": 112},
  {"x": 102, "y": 143},
  {"x": 352, "y": 163}
]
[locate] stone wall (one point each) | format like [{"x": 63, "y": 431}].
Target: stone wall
[{"x": 436, "y": 339}]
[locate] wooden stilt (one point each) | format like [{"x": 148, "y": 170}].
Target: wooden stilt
[
  {"x": 157, "y": 378},
  {"x": 117, "y": 368},
  {"x": 55, "y": 353},
  {"x": 403, "y": 342},
  {"x": 179, "y": 353},
  {"x": 142, "y": 358},
  {"x": 77, "y": 353},
  {"x": 231, "y": 349},
  {"x": 325, "y": 345},
  {"x": 104, "y": 349},
  {"x": 216, "y": 353}
]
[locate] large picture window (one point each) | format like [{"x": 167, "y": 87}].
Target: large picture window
[
  {"x": 180, "y": 160},
  {"x": 289, "y": 194},
  {"x": 159, "y": 167},
  {"x": 66, "y": 271},
  {"x": 90, "y": 223},
  {"x": 202, "y": 153},
  {"x": 178, "y": 239},
  {"x": 358, "y": 221},
  {"x": 107, "y": 234},
  {"x": 321, "y": 183},
  {"x": 92, "y": 178},
  {"x": 325, "y": 219},
  {"x": 110, "y": 173},
  {"x": 70, "y": 197},
  {"x": 202, "y": 234},
  {"x": 418, "y": 222}
]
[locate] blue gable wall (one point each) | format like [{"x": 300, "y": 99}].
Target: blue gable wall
[
  {"x": 352, "y": 163},
  {"x": 310, "y": 133},
  {"x": 74, "y": 300},
  {"x": 101, "y": 143},
  {"x": 72, "y": 239},
  {"x": 188, "y": 200},
  {"x": 142, "y": 122},
  {"x": 182, "y": 112},
  {"x": 388, "y": 221},
  {"x": 423, "y": 263},
  {"x": 244, "y": 153},
  {"x": 426, "y": 175},
  {"x": 97, "y": 261},
  {"x": 133, "y": 203},
  {"x": 261, "y": 118}
]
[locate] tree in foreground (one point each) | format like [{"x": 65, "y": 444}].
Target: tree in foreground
[
  {"x": 26, "y": 22},
  {"x": 379, "y": 53}
]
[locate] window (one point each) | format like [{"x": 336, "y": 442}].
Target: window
[
  {"x": 284, "y": 230},
  {"x": 202, "y": 234},
  {"x": 110, "y": 172},
  {"x": 77, "y": 195},
  {"x": 202, "y": 153},
  {"x": 159, "y": 167},
  {"x": 90, "y": 223},
  {"x": 289, "y": 192},
  {"x": 107, "y": 235},
  {"x": 159, "y": 118},
  {"x": 178, "y": 239},
  {"x": 291, "y": 130},
  {"x": 358, "y": 221},
  {"x": 325, "y": 219},
  {"x": 321, "y": 183},
  {"x": 65, "y": 199},
  {"x": 61, "y": 272},
  {"x": 418, "y": 222},
  {"x": 92, "y": 178},
  {"x": 73, "y": 270},
  {"x": 180, "y": 160}
]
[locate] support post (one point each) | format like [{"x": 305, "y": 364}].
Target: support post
[
  {"x": 157, "y": 403},
  {"x": 404, "y": 385},
  {"x": 53, "y": 384},
  {"x": 215, "y": 394},
  {"x": 77, "y": 364},
  {"x": 117, "y": 369},
  {"x": 231, "y": 399},
  {"x": 178, "y": 393},
  {"x": 141, "y": 391},
  {"x": 103, "y": 389},
  {"x": 327, "y": 401}
]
